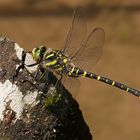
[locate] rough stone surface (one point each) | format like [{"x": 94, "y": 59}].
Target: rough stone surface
[{"x": 39, "y": 112}]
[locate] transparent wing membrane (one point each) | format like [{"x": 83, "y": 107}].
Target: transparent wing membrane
[
  {"x": 83, "y": 52},
  {"x": 71, "y": 84},
  {"x": 76, "y": 33},
  {"x": 91, "y": 50}
]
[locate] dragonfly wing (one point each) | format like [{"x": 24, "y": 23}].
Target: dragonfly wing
[
  {"x": 91, "y": 50},
  {"x": 76, "y": 33},
  {"x": 71, "y": 84}
]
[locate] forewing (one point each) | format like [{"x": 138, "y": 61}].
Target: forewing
[
  {"x": 76, "y": 33},
  {"x": 91, "y": 50}
]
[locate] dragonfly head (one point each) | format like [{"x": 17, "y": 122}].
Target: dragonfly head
[{"x": 38, "y": 52}]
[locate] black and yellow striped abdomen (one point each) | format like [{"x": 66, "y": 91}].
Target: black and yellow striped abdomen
[
  {"x": 79, "y": 72},
  {"x": 57, "y": 61}
]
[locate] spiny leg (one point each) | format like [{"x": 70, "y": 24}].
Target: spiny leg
[
  {"x": 58, "y": 81},
  {"x": 41, "y": 69},
  {"x": 21, "y": 66},
  {"x": 31, "y": 82},
  {"x": 24, "y": 81}
]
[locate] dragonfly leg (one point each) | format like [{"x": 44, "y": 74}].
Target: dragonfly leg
[
  {"x": 39, "y": 69},
  {"x": 35, "y": 81},
  {"x": 24, "y": 81},
  {"x": 21, "y": 66},
  {"x": 58, "y": 80}
]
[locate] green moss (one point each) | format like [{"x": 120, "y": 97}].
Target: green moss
[{"x": 52, "y": 98}]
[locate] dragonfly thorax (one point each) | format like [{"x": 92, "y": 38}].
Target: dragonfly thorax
[{"x": 56, "y": 60}]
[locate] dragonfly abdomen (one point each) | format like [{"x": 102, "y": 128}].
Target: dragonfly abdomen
[{"x": 80, "y": 72}]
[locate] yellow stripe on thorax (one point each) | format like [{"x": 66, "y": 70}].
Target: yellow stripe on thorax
[
  {"x": 72, "y": 69},
  {"x": 77, "y": 71},
  {"x": 59, "y": 69},
  {"x": 70, "y": 72},
  {"x": 51, "y": 63},
  {"x": 65, "y": 60},
  {"x": 60, "y": 55},
  {"x": 33, "y": 52},
  {"x": 50, "y": 55}
]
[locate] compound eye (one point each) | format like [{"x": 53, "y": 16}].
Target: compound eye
[{"x": 36, "y": 54}]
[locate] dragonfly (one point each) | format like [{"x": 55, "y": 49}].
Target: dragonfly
[{"x": 79, "y": 55}]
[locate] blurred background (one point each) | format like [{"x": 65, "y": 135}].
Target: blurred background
[{"x": 109, "y": 112}]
